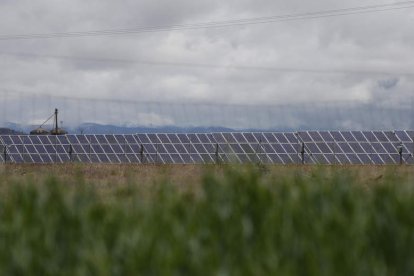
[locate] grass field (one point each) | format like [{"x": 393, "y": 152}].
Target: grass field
[{"x": 227, "y": 220}]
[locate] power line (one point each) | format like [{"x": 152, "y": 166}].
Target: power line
[
  {"x": 18, "y": 94},
  {"x": 220, "y": 24},
  {"x": 212, "y": 66}
]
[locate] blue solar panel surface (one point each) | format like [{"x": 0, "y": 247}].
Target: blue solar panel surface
[{"x": 309, "y": 147}]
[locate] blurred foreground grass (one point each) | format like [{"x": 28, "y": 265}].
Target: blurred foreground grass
[{"x": 109, "y": 220}]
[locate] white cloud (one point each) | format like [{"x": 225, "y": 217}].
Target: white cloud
[{"x": 375, "y": 42}]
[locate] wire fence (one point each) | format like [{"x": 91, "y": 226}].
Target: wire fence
[
  {"x": 81, "y": 115},
  {"x": 257, "y": 148}
]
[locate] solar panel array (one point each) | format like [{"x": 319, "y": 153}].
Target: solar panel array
[{"x": 309, "y": 147}]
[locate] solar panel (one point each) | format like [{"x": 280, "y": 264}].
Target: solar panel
[
  {"x": 193, "y": 139},
  {"x": 376, "y": 159},
  {"x": 326, "y": 136},
  {"x": 291, "y": 137},
  {"x": 337, "y": 136},
  {"x": 73, "y": 140},
  {"x": 391, "y": 136},
  {"x": 130, "y": 139},
  {"x": 370, "y": 136},
  {"x": 160, "y": 148},
  {"x": 324, "y": 147},
  {"x": 101, "y": 139},
  {"x": 176, "y": 159},
  {"x": 348, "y": 136},
  {"x": 111, "y": 139},
  {"x": 3, "y": 149},
  {"x": 35, "y": 158},
  {"x": 247, "y": 148},
  {"x": 173, "y": 138},
  {"x": 218, "y": 138},
  {"x": 320, "y": 159},
  {"x": 5, "y": 140},
  {"x": 270, "y": 138},
  {"x": 277, "y": 148},
  {"x": 35, "y": 140},
  {"x": 169, "y": 148},
  {"x": 410, "y": 134},
  {"x": 187, "y": 158},
  {"x": 304, "y": 137},
  {"x": 260, "y": 137},
  {"x": 290, "y": 149},
  {"x": 183, "y": 138},
  {"x": 228, "y": 138},
  {"x": 364, "y": 158},
  {"x": 44, "y": 140},
  {"x": 378, "y": 148},
  {"x": 356, "y": 147},
  {"x": 16, "y": 140},
  {"x": 91, "y": 139},
  {"x": 286, "y": 159},
  {"x": 143, "y": 138},
  {"x": 380, "y": 136},
  {"x": 163, "y": 138},
  {"x": 30, "y": 148},
  {"x": 331, "y": 159},
  {"x": 345, "y": 147},
  {"x": 359, "y": 136},
  {"x": 281, "y": 138},
  {"x": 313, "y": 148},
  {"x": 315, "y": 136},
  {"x": 250, "y": 137},
  {"x": 275, "y": 159},
  {"x": 63, "y": 140}
]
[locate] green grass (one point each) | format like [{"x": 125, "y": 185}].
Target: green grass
[{"x": 236, "y": 221}]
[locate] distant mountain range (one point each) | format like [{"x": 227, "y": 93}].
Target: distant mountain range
[
  {"x": 8, "y": 131},
  {"x": 92, "y": 128},
  {"x": 88, "y": 128}
]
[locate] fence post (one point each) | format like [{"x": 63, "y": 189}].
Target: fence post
[
  {"x": 259, "y": 149},
  {"x": 5, "y": 153},
  {"x": 400, "y": 152},
  {"x": 70, "y": 152},
  {"x": 217, "y": 154},
  {"x": 156, "y": 155},
  {"x": 302, "y": 153},
  {"x": 125, "y": 153},
  {"x": 141, "y": 153}
]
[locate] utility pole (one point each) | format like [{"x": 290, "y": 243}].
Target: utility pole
[{"x": 56, "y": 121}]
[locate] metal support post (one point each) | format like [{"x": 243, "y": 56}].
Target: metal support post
[
  {"x": 302, "y": 153},
  {"x": 70, "y": 153},
  {"x": 156, "y": 156},
  {"x": 400, "y": 152},
  {"x": 217, "y": 154},
  {"x": 141, "y": 154}
]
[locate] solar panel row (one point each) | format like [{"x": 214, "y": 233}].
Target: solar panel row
[{"x": 315, "y": 147}]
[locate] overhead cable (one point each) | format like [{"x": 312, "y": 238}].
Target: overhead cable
[
  {"x": 210, "y": 66},
  {"x": 219, "y": 24}
]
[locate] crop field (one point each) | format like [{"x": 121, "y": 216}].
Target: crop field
[{"x": 206, "y": 220}]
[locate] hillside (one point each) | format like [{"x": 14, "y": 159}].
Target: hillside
[{"x": 8, "y": 131}]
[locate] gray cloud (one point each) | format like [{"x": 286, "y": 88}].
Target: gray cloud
[
  {"x": 371, "y": 43},
  {"x": 388, "y": 84}
]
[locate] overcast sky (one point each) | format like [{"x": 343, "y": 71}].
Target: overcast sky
[{"x": 326, "y": 59}]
